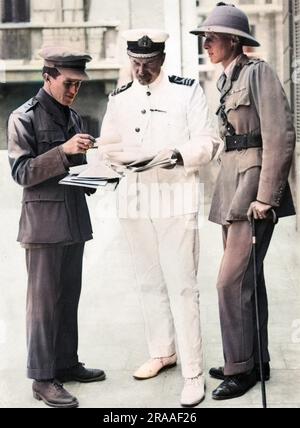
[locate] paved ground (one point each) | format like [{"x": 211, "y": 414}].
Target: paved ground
[{"x": 111, "y": 325}]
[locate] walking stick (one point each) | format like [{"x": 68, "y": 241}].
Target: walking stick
[{"x": 272, "y": 217}]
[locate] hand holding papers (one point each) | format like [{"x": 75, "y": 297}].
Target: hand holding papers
[
  {"x": 120, "y": 154},
  {"x": 134, "y": 159},
  {"x": 162, "y": 160}
]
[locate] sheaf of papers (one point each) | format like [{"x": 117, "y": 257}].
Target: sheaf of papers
[
  {"x": 149, "y": 163},
  {"x": 92, "y": 176},
  {"x": 99, "y": 171}
]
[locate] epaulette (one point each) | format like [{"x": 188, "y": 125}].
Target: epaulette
[
  {"x": 122, "y": 89},
  {"x": 255, "y": 60},
  {"x": 181, "y": 81},
  {"x": 30, "y": 105}
]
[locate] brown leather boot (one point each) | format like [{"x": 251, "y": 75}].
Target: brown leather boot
[{"x": 53, "y": 394}]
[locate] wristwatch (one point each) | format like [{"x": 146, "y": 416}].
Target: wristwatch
[{"x": 177, "y": 155}]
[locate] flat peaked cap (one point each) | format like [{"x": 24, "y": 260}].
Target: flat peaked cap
[
  {"x": 145, "y": 43},
  {"x": 228, "y": 19},
  {"x": 67, "y": 62}
]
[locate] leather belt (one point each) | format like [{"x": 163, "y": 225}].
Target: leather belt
[{"x": 242, "y": 142}]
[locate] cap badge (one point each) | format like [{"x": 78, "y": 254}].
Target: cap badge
[{"x": 145, "y": 42}]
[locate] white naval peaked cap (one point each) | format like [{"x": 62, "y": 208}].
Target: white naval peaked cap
[{"x": 145, "y": 43}]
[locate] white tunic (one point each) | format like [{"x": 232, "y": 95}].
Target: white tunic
[{"x": 171, "y": 113}]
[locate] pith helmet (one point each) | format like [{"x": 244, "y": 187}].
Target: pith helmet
[{"x": 228, "y": 19}]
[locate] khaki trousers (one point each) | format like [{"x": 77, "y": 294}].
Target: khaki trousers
[{"x": 236, "y": 295}]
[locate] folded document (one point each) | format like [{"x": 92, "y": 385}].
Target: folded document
[{"x": 95, "y": 176}]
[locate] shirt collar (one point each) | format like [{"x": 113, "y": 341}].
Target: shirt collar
[
  {"x": 53, "y": 107},
  {"x": 229, "y": 69}
]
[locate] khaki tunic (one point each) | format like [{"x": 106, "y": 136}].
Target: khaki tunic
[{"x": 255, "y": 104}]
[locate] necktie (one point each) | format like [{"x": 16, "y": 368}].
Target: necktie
[{"x": 222, "y": 82}]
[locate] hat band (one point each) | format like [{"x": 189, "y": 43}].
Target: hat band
[
  {"x": 144, "y": 55},
  {"x": 76, "y": 65}
]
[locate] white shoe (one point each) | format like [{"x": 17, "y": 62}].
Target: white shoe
[
  {"x": 154, "y": 366},
  {"x": 193, "y": 392}
]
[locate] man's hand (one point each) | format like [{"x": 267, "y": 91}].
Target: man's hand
[
  {"x": 79, "y": 144},
  {"x": 258, "y": 210},
  {"x": 122, "y": 158},
  {"x": 120, "y": 154},
  {"x": 168, "y": 154}
]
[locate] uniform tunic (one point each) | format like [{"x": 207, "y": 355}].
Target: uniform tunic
[
  {"x": 51, "y": 213},
  {"x": 255, "y": 104},
  {"x": 170, "y": 113}
]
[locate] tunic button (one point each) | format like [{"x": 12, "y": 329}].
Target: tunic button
[
  {"x": 137, "y": 130},
  {"x": 144, "y": 111},
  {"x": 149, "y": 94}
]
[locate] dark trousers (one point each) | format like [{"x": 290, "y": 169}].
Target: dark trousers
[
  {"x": 236, "y": 295},
  {"x": 54, "y": 286}
]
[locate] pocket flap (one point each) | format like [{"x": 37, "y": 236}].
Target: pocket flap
[
  {"x": 44, "y": 195},
  {"x": 237, "y": 98},
  {"x": 51, "y": 136}
]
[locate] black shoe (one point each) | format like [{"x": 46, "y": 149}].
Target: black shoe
[
  {"x": 53, "y": 394},
  {"x": 218, "y": 373},
  {"x": 235, "y": 386},
  {"x": 79, "y": 373}
]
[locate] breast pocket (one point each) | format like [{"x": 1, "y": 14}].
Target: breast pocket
[
  {"x": 48, "y": 139},
  {"x": 45, "y": 193},
  {"x": 237, "y": 98}
]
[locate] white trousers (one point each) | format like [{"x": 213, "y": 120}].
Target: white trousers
[{"x": 165, "y": 254}]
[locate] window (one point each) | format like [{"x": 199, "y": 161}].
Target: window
[{"x": 15, "y": 10}]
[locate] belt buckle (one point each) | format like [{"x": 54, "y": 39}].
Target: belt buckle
[
  {"x": 228, "y": 148},
  {"x": 243, "y": 143}
]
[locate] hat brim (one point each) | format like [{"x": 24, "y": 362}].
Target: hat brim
[
  {"x": 73, "y": 73},
  {"x": 247, "y": 39}
]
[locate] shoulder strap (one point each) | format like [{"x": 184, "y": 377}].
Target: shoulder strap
[
  {"x": 122, "y": 89},
  {"x": 181, "y": 80}
]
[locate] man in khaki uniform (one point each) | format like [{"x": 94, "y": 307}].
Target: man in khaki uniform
[
  {"x": 257, "y": 128},
  {"x": 45, "y": 138}
]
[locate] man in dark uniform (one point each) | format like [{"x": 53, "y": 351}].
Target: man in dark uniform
[{"x": 44, "y": 139}]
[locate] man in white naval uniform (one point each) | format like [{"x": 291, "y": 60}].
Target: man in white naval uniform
[{"x": 167, "y": 116}]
